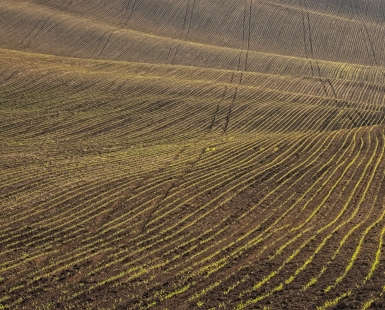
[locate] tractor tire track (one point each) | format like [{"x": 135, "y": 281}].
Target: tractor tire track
[
  {"x": 125, "y": 10},
  {"x": 311, "y": 46},
  {"x": 104, "y": 45},
  {"x": 67, "y": 4},
  {"x": 371, "y": 46},
  {"x": 186, "y": 21},
  {"x": 188, "y": 170},
  {"x": 114, "y": 207},
  {"x": 29, "y": 36},
  {"x": 180, "y": 35},
  {"x": 227, "y": 120},
  {"x": 332, "y": 117},
  {"x": 245, "y": 14},
  {"x": 217, "y": 110},
  {"x": 248, "y": 36},
  {"x": 169, "y": 189},
  {"x": 305, "y": 43},
  {"x": 131, "y": 12},
  {"x": 189, "y": 22}
]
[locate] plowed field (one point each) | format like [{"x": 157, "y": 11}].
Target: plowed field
[{"x": 192, "y": 154}]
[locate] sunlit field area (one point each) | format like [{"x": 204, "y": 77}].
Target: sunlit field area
[{"x": 192, "y": 154}]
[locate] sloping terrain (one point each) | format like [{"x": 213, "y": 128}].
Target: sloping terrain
[{"x": 192, "y": 154}]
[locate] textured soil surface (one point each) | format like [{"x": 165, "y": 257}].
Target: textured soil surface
[{"x": 192, "y": 154}]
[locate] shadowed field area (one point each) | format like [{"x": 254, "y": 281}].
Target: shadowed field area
[{"x": 192, "y": 154}]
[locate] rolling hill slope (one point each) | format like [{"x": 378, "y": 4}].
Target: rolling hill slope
[{"x": 192, "y": 154}]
